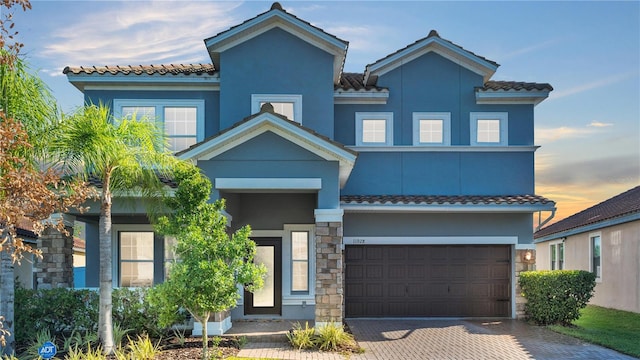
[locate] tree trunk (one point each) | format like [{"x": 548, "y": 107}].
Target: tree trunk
[
  {"x": 105, "y": 326},
  {"x": 6, "y": 300},
  {"x": 205, "y": 336}
]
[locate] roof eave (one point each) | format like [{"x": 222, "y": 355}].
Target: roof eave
[
  {"x": 589, "y": 227},
  {"x": 449, "y": 208},
  {"x": 436, "y": 44},
  {"x": 533, "y": 97},
  {"x": 281, "y": 19},
  {"x": 80, "y": 81}
]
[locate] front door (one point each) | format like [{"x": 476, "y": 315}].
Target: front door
[{"x": 268, "y": 300}]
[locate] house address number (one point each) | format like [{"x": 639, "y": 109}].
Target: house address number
[{"x": 359, "y": 241}]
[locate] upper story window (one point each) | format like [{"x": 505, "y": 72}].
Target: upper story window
[
  {"x": 286, "y": 105},
  {"x": 489, "y": 128},
  {"x": 557, "y": 256},
  {"x": 183, "y": 120},
  {"x": 431, "y": 128},
  {"x": 374, "y": 129}
]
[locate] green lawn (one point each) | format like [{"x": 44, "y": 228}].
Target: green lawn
[{"x": 615, "y": 329}]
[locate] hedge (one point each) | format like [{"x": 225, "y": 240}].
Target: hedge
[{"x": 556, "y": 296}]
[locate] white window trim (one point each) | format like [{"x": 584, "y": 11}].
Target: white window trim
[
  {"x": 556, "y": 243},
  {"x": 504, "y": 127},
  {"x": 115, "y": 248},
  {"x": 591, "y": 236},
  {"x": 293, "y": 297},
  {"x": 386, "y": 116},
  {"x": 159, "y": 104},
  {"x": 256, "y": 99},
  {"x": 446, "y": 127}
]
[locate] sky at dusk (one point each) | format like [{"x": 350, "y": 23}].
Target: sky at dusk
[{"x": 588, "y": 128}]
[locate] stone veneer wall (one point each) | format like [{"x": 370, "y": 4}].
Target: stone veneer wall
[
  {"x": 55, "y": 269},
  {"x": 520, "y": 267},
  {"x": 329, "y": 286}
]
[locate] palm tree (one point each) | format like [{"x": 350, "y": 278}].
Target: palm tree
[{"x": 124, "y": 155}]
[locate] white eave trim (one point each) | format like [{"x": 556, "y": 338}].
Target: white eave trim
[
  {"x": 360, "y": 97},
  {"x": 268, "y": 184},
  {"x": 430, "y": 240},
  {"x": 286, "y": 22},
  {"x": 81, "y": 81},
  {"x": 455, "y": 148},
  {"x": 440, "y": 47},
  {"x": 450, "y": 208},
  {"x": 510, "y": 97}
]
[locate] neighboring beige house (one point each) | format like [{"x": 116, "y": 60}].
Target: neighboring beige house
[{"x": 604, "y": 239}]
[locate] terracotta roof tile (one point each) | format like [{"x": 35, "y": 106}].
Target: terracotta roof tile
[
  {"x": 445, "y": 199},
  {"x": 355, "y": 81},
  {"x": 623, "y": 204},
  {"x": 97, "y": 182},
  {"x": 173, "y": 69},
  {"x": 515, "y": 85}
]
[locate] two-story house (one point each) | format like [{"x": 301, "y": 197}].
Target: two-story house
[{"x": 406, "y": 190}]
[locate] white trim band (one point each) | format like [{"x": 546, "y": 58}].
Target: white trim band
[
  {"x": 268, "y": 183},
  {"x": 430, "y": 240}
]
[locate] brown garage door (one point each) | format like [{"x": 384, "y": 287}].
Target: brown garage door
[{"x": 427, "y": 280}]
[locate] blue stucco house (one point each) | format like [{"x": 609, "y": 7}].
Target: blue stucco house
[{"x": 406, "y": 190}]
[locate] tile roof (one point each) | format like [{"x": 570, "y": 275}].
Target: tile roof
[
  {"x": 623, "y": 204},
  {"x": 355, "y": 81},
  {"x": 97, "y": 182},
  {"x": 173, "y": 69},
  {"x": 445, "y": 199},
  {"x": 434, "y": 33},
  {"x": 496, "y": 85}
]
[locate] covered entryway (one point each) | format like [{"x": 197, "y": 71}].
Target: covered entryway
[{"x": 427, "y": 280}]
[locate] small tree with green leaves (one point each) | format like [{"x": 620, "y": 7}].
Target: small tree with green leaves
[{"x": 211, "y": 263}]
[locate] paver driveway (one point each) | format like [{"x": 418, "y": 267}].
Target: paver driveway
[{"x": 461, "y": 339}]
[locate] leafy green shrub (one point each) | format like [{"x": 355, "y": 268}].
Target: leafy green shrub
[
  {"x": 332, "y": 336},
  {"x": 556, "y": 297},
  {"x": 302, "y": 338},
  {"x": 59, "y": 311},
  {"x": 133, "y": 311}
]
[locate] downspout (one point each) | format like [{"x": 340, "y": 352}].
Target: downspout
[{"x": 541, "y": 224}]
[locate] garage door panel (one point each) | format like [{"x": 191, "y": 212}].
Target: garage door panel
[{"x": 427, "y": 280}]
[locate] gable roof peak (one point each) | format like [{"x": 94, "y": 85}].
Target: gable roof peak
[
  {"x": 267, "y": 107},
  {"x": 276, "y": 6},
  {"x": 433, "y": 33}
]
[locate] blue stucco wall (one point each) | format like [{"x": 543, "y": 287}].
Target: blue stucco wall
[
  {"x": 271, "y": 211},
  {"x": 378, "y": 224},
  {"x": 270, "y": 156},
  {"x": 211, "y": 102},
  {"x": 277, "y": 62}
]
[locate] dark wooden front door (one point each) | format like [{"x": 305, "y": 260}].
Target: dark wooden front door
[
  {"x": 268, "y": 300},
  {"x": 428, "y": 280}
]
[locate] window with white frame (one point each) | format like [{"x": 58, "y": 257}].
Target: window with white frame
[
  {"x": 170, "y": 257},
  {"x": 489, "y": 128},
  {"x": 374, "y": 129},
  {"x": 596, "y": 255},
  {"x": 431, "y": 128},
  {"x": 136, "y": 258},
  {"x": 299, "y": 261},
  {"x": 286, "y": 105},
  {"x": 557, "y": 256},
  {"x": 183, "y": 120}
]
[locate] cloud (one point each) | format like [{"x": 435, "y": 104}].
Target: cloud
[
  {"x": 617, "y": 169},
  {"x": 531, "y": 48},
  {"x": 609, "y": 80},
  {"x": 140, "y": 32},
  {"x": 546, "y": 135},
  {"x": 599, "y": 124},
  {"x": 360, "y": 37}
]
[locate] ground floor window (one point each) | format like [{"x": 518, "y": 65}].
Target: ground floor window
[
  {"x": 557, "y": 256},
  {"x": 596, "y": 249},
  {"x": 300, "y": 261},
  {"x": 136, "y": 258}
]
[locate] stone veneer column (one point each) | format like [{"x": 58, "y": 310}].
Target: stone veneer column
[
  {"x": 55, "y": 269},
  {"x": 329, "y": 285},
  {"x": 522, "y": 264}
]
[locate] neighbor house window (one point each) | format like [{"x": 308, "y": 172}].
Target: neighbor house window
[
  {"x": 489, "y": 128},
  {"x": 300, "y": 261},
  {"x": 557, "y": 256},
  {"x": 286, "y": 105},
  {"x": 183, "y": 120},
  {"x": 596, "y": 255},
  {"x": 374, "y": 129},
  {"x": 136, "y": 258},
  {"x": 431, "y": 128}
]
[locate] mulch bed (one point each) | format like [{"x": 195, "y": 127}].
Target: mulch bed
[{"x": 192, "y": 349}]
